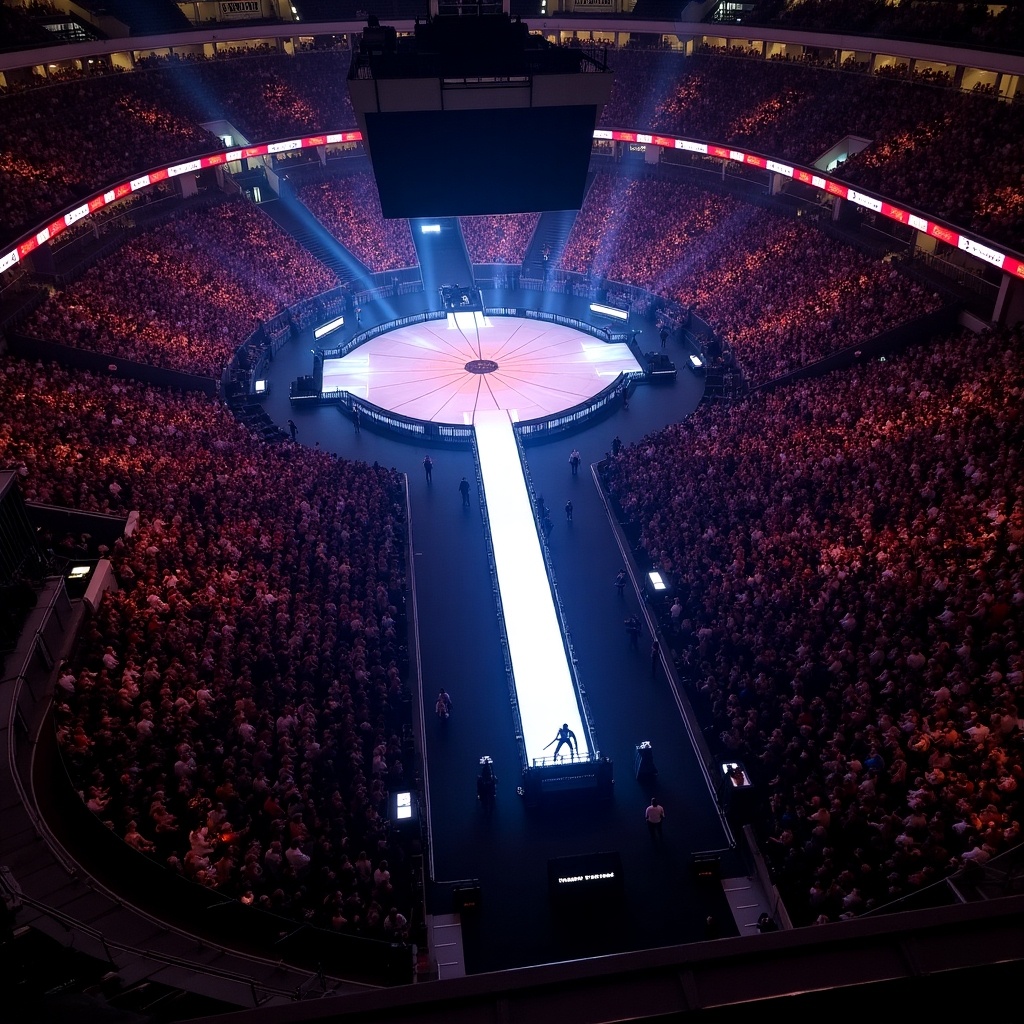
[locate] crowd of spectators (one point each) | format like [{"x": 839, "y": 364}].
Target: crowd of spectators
[
  {"x": 641, "y": 231},
  {"x": 64, "y": 141},
  {"x": 58, "y": 142},
  {"x": 185, "y": 294},
  {"x": 67, "y": 141},
  {"x": 959, "y": 23},
  {"x": 267, "y": 95},
  {"x": 19, "y": 27},
  {"x": 233, "y": 710},
  {"x": 500, "y": 238},
  {"x": 954, "y": 154},
  {"x": 847, "y": 558},
  {"x": 349, "y": 208},
  {"x": 779, "y": 292}
]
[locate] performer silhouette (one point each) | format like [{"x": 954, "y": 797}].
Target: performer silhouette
[
  {"x": 565, "y": 737},
  {"x": 443, "y": 707}
]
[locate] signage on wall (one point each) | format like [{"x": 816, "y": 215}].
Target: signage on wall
[{"x": 240, "y": 9}]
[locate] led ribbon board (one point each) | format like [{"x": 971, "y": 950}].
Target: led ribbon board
[{"x": 981, "y": 249}]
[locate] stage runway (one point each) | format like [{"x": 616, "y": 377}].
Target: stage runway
[{"x": 445, "y": 371}]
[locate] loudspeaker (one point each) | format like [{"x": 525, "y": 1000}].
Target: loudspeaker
[
  {"x": 706, "y": 867},
  {"x": 466, "y": 899}
]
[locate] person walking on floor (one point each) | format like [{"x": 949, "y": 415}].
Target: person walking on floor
[
  {"x": 428, "y": 467},
  {"x": 574, "y": 461},
  {"x": 443, "y": 707},
  {"x": 568, "y": 511},
  {"x": 294, "y": 429},
  {"x": 464, "y": 491},
  {"x": 654, "y": 816},
  {"x": 620, "y": 581},
  {"x": 633, "y": 628}
]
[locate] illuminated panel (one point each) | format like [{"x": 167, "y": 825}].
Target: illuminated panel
[
  {"x": 982, "y": 252},
  {"x": 868, "y": 202},
  {"x": 544, "y": 685},
  {"x": 612, "y": 311},
  {"x": 331, "y": 325}
]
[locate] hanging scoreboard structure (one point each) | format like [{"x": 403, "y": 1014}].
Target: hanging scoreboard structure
[{"x": 474, "y": 115}]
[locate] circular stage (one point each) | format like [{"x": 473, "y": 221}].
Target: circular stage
[{"x": 445, "y": 371}]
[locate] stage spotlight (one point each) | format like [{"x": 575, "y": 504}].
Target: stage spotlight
[{"x": 260, "y": 387}]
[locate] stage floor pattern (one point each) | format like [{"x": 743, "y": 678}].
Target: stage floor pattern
[{"x": 445, "y": 371}]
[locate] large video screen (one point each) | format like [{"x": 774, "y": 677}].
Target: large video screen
[{"x": 450, "y": 163}]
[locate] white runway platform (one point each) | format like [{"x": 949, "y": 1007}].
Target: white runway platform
[
  {"x": 491, "y": 373},
  {"x": 527, "y": 368},
  {"x": 545, "y": 689}
]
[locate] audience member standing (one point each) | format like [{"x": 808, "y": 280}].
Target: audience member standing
[{"x": 654, "y": 816}]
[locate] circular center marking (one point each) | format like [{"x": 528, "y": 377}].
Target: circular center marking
[{"x": 481, "y": 366}]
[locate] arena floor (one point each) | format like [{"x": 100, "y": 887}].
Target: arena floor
[{"x": 507, "y": 852}]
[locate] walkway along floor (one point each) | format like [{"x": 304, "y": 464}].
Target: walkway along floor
[{"x": 508, "y": 851}]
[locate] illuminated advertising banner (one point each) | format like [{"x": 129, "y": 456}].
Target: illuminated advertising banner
[{"x": 978, "y": 248}]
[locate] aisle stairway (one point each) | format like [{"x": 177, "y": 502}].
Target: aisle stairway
[
  {"x": 297, "y": 220},
  {"x": 551, "y": 235},
  {"x": 442, "y": 253}
]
